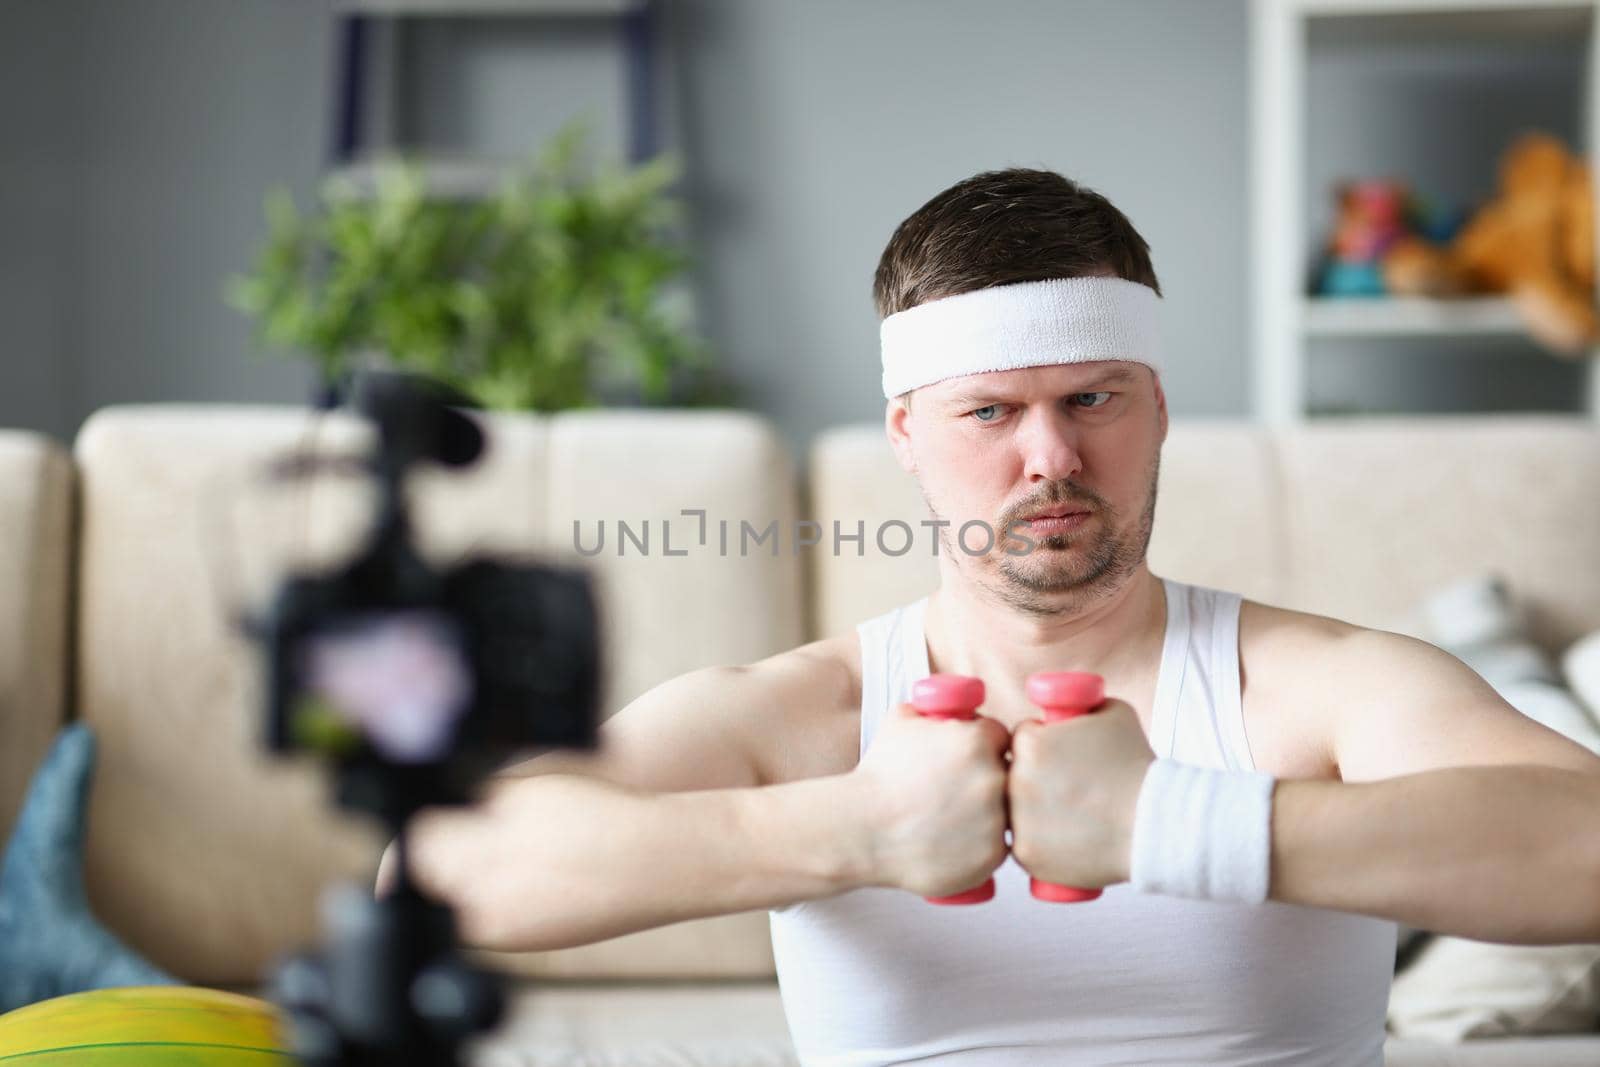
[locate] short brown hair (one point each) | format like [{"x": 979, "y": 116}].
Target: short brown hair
[{"x": 1006, "y": 226}]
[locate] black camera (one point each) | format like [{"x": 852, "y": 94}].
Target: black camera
[{"x": 415, "y": 681}]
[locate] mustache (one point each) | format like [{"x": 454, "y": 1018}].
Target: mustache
[{"x": 1059, "y": 493}]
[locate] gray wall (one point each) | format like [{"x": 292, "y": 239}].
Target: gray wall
[
  {"x": 140, "y": 140},
  {"x": 41, "y": 176},
  {"x": 815, "y": 128},
  {"x": 193, "y": 111},
  {"x": 142, "y": 137}
]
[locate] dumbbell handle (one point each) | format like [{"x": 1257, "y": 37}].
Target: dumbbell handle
[
  {"x": 952, "y": 696},
  {"x": 1064, "y": 695}
]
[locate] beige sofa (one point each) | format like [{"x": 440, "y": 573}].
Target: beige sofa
[{"x": 123, "y": 563}]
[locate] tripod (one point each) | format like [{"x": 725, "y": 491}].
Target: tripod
[{"x": 390, "y": 987}]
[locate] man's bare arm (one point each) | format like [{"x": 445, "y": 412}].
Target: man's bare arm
[
  {"x": 561, "y": 860},
  {"x": 670, "y": 819},
  {"x": 1456, "y": 813},
  {"x": 724, "y": 727},
  {"x": 1496, "y": 853}
]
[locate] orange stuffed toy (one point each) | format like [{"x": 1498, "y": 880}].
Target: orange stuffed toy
[{"x": 1533, "y": 242}]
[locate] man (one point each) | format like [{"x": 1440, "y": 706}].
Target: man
[{"x": 1278, "y": 787}]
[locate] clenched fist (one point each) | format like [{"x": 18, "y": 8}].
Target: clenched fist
[
  {"x": 934, "y": 795},
  {"x": 1072, "y": 788}
]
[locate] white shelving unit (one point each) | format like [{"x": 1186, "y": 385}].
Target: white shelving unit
[
  {"x": 1287, "y": 321},
  {"x": 1409, "y": 316}
]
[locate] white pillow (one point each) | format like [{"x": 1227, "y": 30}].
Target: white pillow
[
  {"x": 1580, "y": 665},
  {"x": 1458, "y": 989},
  {"x": 1477, "y": 621}
]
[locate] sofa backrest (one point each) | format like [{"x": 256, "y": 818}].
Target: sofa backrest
[
  {"x": 206, "y": 854},
  {"x": 209, "y": 856},
  {"x": 1354, "y": 519},
  {"x": 36, "y": 485}
]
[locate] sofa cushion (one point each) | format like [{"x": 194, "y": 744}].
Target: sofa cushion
[
  {"x": 1379, "y": 512},
  {"x": 1352, "y": 518},
  {"x": 50, "y": 943},
  {"x": 1494, "y": 1052},
  {"x": 620, "y": 1024},
  {"x": 855, "y": 482},
  {"x": 1219, "y": 510},
  {"x": 741, "y": 1024},
  {"x": 36, "y": 486},
  {"x": 208, "y": 856}
]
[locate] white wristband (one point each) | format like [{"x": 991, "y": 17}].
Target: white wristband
[{"x": 1203, "y": 833}]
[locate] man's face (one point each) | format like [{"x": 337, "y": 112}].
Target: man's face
[{"x": 1002, "y": 447}]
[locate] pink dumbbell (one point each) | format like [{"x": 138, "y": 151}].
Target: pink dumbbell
[
  {"x": 952, "y": 696},
  {"x": 1064, "y": 695}
]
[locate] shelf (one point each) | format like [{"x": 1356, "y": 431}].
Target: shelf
[
  {"x": 1410, "y": 317},
  {"x": 1456, "y": 22},
  {"x": 451, "y": 8},
  {"x": 1431, "y": 91},
  {"x": 445, "y": 177}
]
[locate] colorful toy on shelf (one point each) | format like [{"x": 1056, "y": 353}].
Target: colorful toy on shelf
[
  {"x": 1371, "y": 219},
  {"x": 1384, "y": 242},
  {"x": 1535, "y": 242},
  {"x": 1532, "y": 241}
]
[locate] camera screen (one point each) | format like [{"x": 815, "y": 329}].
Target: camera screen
[{"x": 398, "y": 680}]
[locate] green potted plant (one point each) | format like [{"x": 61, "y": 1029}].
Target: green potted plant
[{"x": 562, "y": 290}]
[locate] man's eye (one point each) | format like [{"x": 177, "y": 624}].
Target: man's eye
[
  {"x": 987, "y": 413},
  {"x": 1093, "y": 406}
]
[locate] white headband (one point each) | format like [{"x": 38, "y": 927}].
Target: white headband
[{"x": 1027, "y": 324}]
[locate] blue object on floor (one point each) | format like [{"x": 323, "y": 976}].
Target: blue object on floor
[{"x": 50, "y": 942}]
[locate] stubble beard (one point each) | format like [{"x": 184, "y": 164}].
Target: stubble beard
[{"x": 1063, "y": 574}]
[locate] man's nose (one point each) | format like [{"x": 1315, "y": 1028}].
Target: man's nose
[{"x": 1049, "y": 444}]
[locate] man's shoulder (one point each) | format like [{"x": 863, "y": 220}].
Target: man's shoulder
[
  {"x": 1305, "y": 639},
  {"x": 1282, "y": 657},
  {"x": 1302, "y": 673},
  {"x": 1279, "y": 631},
  {"x": 826, "y": 673},
  {"x": 815, "y": 692}
]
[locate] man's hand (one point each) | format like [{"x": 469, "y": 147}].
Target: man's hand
[
  {"x": 933, "y": 794},
  {"x": 1072, "y": 789}
]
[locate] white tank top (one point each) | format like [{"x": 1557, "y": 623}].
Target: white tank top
[{"x": 879, "y": 976}]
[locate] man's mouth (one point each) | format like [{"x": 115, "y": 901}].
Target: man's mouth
[
  {"x": 1057, "y": 519},
  {"x": 1059, "y": 512}
]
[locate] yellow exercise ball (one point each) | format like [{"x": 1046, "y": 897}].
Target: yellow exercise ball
[{"x": 148, "y": 1026}]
